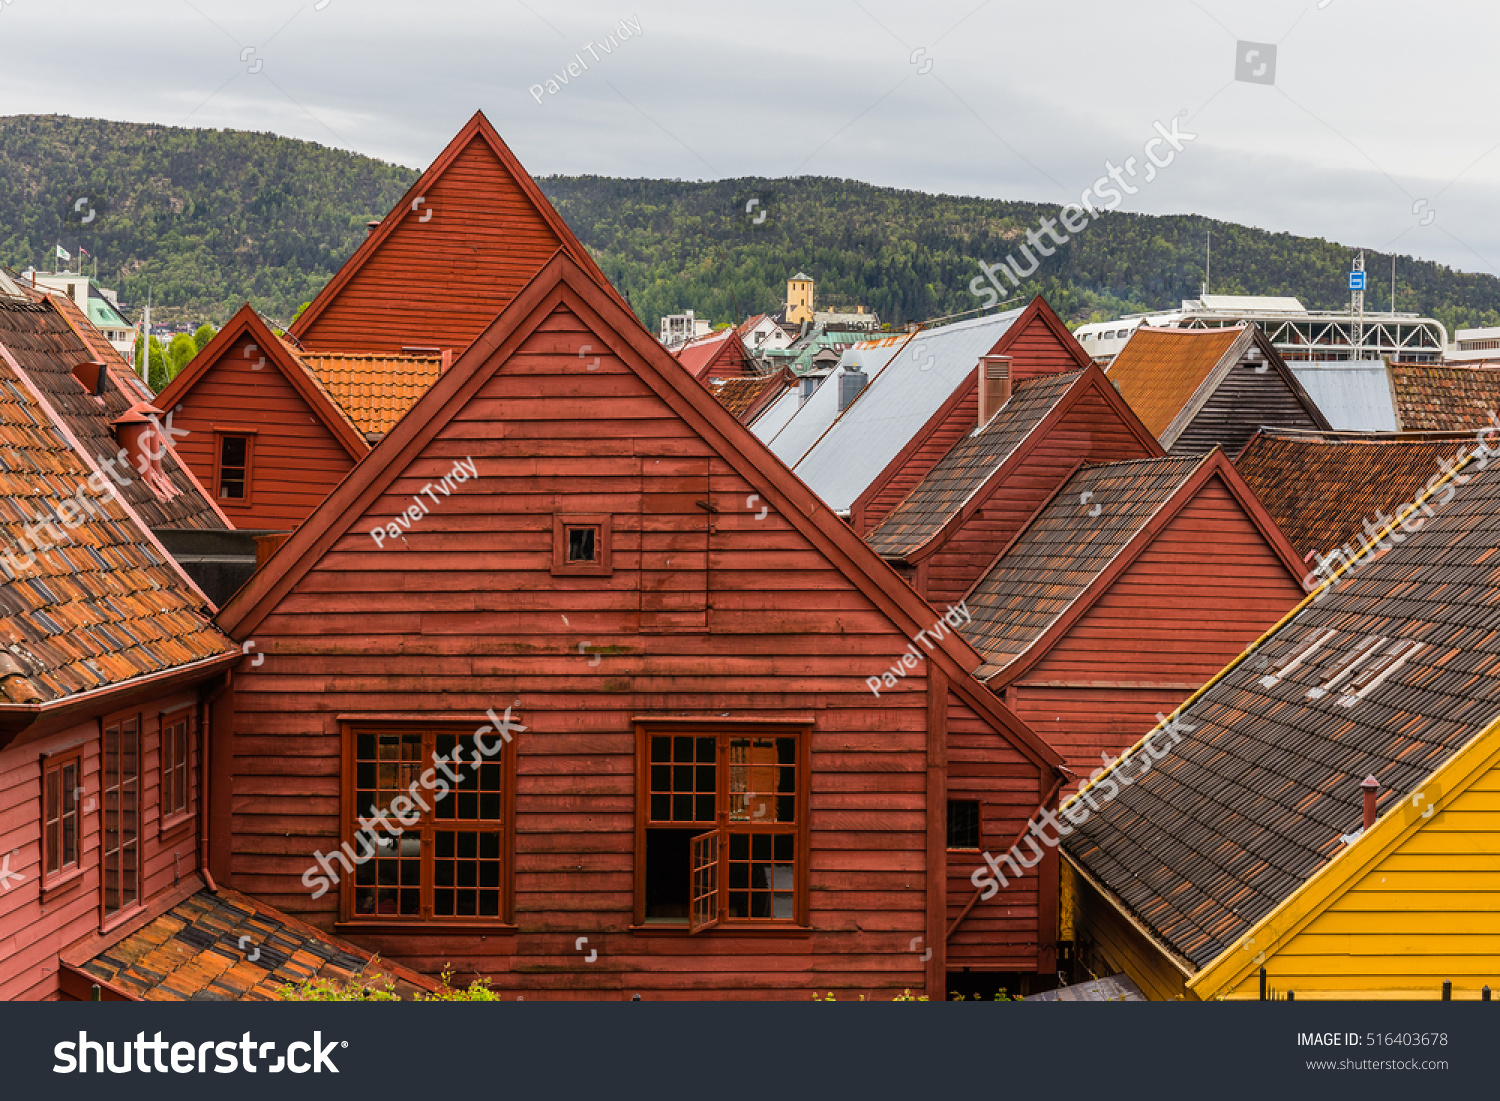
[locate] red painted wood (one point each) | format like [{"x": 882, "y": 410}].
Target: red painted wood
[{"x": 466, "y": 614}]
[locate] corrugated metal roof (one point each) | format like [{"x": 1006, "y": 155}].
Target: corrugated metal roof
[
  {"x": 1354, "y": 397},
  {"x": 1263, "y": 780},
  {"x": 841, "y": 462},
  {"x": 810, "y": 419}
]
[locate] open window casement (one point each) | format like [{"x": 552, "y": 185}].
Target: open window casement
[{"x": 705, "y": 879}]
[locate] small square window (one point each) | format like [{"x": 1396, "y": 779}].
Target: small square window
[
  {"x": 963, "y": 824},
  {"x": 581, "y": 544}
]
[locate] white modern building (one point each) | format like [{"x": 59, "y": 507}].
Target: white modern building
[
  {"x": 678, "y": 328},
  {"x": 1297, "y": 332},
  {"x": 99, "y": 304},
  {"x": 1470, "y": 344}
]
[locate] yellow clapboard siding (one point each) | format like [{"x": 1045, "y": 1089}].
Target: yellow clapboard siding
[
  {"x": 1443, "y": 879},
  {"x": 1412, "y": 943},
  {"x": 1422, "y": 922}
]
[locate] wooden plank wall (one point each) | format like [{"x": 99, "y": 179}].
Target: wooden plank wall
[
  {"x": 296, "y": 460},
  {"x": 1091, "y": 429},
  {"x": 1429, "y": 911},
  {"x": 1207, "y": 586},
  {"x": 465, "y": 615},
  {"x": 1244, "y": 401},
  {"x": 1109, "y": 944},
  {"x": 33, "y": 930},
  {"x": 440, "y": 282}
]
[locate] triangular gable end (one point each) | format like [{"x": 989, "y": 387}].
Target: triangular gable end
[
  {"x": 1214, "y": 465},
  {"x": 563, "y": 286},
  {"x": 461, "y": 243},
  {"x": 246, "y": 322}
]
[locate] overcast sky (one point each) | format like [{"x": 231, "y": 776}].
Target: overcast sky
[{"x": 1377, "y": 121}]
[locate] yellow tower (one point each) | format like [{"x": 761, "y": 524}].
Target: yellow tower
[{"x": 799, "y": 299}]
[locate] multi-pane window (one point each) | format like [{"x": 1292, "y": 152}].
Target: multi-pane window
[
  {"x": 963, "y": 824},
  {"x": 722, "y": 830},
  {"x": 233, "y": 468},
  {"x": 435, "y": 834},
  {"x": 120, "y": 806},
  {"x": 174, "y": 766},
  {"x": 62, "y": 783}
]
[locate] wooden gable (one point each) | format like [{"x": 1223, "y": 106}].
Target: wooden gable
[
  {"x": 248, "y": 383},
  {"x": 1039, "y": 343},
  {"x": 728, "y": 599},
  {"x": 467, "y": 236},
  {"x": 1205, "y": 577}
]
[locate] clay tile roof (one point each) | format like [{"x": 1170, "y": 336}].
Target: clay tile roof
[
  {"x": 47, "y": 349},
  {"x": 374, "y": 390},
  {"x": 956, "y": 477},
  {"x": 1054, "y": 560},
  {"x": 1159, "y": 370},
  {"x": 1260, "y": 777},
  {"x": 103, "y": 606},
  {"x": 193, "y": 952},
  {"x": 1445, "y": 399},
  {"x": 1321, "y": 487},
  {"x": 739, "y": 395}
]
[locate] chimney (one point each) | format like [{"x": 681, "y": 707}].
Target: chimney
[
  {"x": 136, "y": 433},
  {"x": 851, "y": 381},
  {"x": 1371, "y": 788},
  {"x": 91, "y": 375},
  {"x": 994, "y": 386},
  {"x": 371, "y": 227}
]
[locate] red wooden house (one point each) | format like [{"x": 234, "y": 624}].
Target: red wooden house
[
  {"x": 273, "y": 430},
  {"x": 463, "y": 240},
  {"x": 946, "y": 531},
  {"x": 1036, "y": 344},
  {"x": 109, "y": 664},
  {"x": 717, "y": 356},
  {"x": 1126, "y": 591},
  {"x": 655, "y": 648}
]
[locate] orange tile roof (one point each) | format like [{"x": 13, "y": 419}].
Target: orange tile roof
[
  {"x": 739, "y": 395},
  {"x": 1430, "y": 398},
  {"x": 1159, "y": 370},
  {"x": 105, "y": 604},
  {"x": 374, "y": 390},
  {"x": 201, "y": 949}
]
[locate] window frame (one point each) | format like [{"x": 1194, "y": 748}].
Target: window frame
[
  {"x": 220, "y": 435},
  {"x": 110, "y": 918},
  {"x": 602, "y": 565},
  {"x": 171, "y": 819},
  {"x": 349, "y": 811},
  {"x": 54, "y": 762},
  {"x": 724, "y": 731}
]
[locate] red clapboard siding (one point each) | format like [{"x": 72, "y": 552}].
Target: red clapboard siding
[
  {"x": 1207, "y": 585},
  {"x": 1091, "y": 429},
  {"x": 708, "y": 611},
  {"x": 1039, "y": 344},
  {"x": 35, "y": 929},
  {"x": 296, "y": 460}
]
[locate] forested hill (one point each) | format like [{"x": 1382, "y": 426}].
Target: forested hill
[{"x": 208, "y": 219}]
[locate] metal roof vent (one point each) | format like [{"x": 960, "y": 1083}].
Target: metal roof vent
[{"x": 851, "y": 381}]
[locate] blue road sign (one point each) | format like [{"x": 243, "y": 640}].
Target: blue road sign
[{"x": 1356, "y": 280}]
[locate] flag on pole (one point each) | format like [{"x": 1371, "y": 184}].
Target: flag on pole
[
  {"x": 63, "y": 254},
  {"x": 83, "y": 251}
]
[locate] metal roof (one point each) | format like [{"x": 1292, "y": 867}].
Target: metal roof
[
  {"x": 841, "y": 462},
  {"x": 807, "y": 421},
  {"x": 1354, "y": 396}
]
